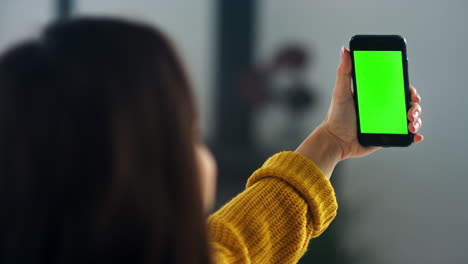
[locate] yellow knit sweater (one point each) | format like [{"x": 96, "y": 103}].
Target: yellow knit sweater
[{"x": 287, "y": 202}]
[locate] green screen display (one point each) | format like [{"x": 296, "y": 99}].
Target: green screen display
[{"x": 380, "y": 92}]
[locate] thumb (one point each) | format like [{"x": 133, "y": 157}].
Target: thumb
[{"x": 343, "y": 75}]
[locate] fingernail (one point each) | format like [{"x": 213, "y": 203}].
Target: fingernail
[
  {"x": 416, "y": 125},
  {"x": 415, "y": 113},
  {"x": 342, "y": 50}
]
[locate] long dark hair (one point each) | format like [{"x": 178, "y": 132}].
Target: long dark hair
[{"x": 97, "y": 131}]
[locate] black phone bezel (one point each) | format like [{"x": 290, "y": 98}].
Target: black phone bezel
[{"x": 381, "y": 42}]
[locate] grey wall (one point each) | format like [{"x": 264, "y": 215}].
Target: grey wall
[
  {"x": 20, "y": 19},
  {"x": 411, "y": 204}
]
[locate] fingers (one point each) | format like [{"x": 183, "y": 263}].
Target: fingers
[
  {"x": 414, "y": 112},
  {"x": 414, "y": 128},
  {"x": 415, "y": 125},
  {"x": 343, "y": 75},
  {"x": 418, "y": 138},
  {"x": 414, "y": 115},
  {"x": 415, "y": 122},
  {"x": 415, "y": 98}
]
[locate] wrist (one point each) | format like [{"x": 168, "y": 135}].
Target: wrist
[{"x": 323, "y": 149}]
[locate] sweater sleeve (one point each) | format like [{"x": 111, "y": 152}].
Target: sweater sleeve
[{"x": 287, "y": 202}]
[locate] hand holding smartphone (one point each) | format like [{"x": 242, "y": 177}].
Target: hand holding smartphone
[
  {"x": 381, "y": 90},
  {"x": 388, "y": 123}
]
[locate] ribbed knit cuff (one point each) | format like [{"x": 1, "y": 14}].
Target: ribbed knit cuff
[{"x": 303, "y": 175}]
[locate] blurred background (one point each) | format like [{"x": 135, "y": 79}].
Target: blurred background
[{"x": 263, "y": 72}]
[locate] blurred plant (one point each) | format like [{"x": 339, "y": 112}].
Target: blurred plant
[
  {"x": 280, "y": 96},
  {"x": 280, "y": 80}
]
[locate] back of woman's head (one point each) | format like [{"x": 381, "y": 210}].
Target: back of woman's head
[{"x": 97, "y": 129}]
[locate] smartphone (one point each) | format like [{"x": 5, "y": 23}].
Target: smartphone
[{"x": 381, "y": 90}]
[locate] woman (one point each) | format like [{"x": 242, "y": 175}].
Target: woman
[{"x": 101, "y": 160}]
